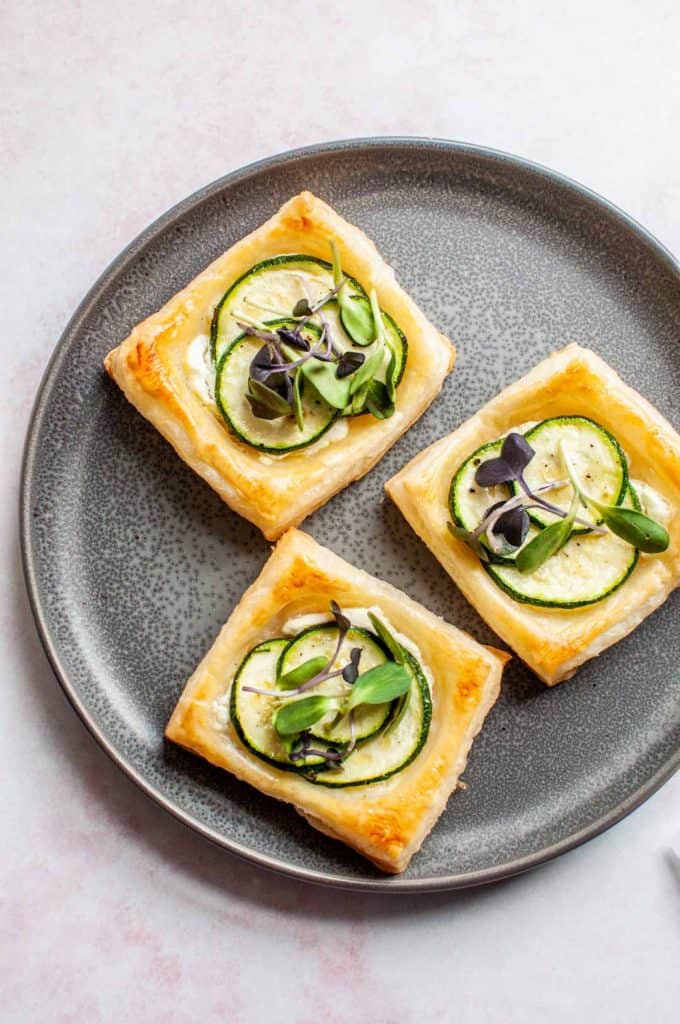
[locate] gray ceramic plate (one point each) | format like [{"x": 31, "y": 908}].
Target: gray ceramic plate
[{"x": 133, "y": 563}]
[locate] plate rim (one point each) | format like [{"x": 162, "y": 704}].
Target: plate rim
[{"x": 387, "y": 884}]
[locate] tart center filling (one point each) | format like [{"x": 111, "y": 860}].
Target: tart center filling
[
  {"x": 295, "y": 344},
  {"x": 552, "y": 514},
  {"x": 341, "y": 702}
]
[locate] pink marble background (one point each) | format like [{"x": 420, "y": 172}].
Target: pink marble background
[{"x": 111, "y": 910}]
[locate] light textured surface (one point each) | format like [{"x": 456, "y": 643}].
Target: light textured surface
[{"x": 112, "y": 909}]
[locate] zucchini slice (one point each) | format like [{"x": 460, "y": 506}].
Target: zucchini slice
[
  {"x": 252, "y": 713},
  {"x": 321, "y": 641},
  {"x": 267, "y": 291},
  {"x": 391, "y": 749},
  {"x": 270, "y": 290},
  {"x": 588, "y": 568},
  {"x": 379, "y": 755},
  {"x": 597, "y": 457},
  {"x": 467, "y": 500},
  {"x": 277, "y": 435}
]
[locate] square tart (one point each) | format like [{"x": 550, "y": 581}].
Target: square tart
[
  {"x": 554, "y": 642},
  {"x": 275, "y": 492},
  {"x": 385, "y": 821}
]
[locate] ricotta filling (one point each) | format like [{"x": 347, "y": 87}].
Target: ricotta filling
[
  {"x": 653, "y": 503},
  {"x": 199, "y": 371}
]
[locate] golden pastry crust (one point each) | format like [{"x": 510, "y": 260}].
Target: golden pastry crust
[
  {"x": 274, "y": 492},
  {"x": 387, "y": 821},
  {"x": 573, "y": 381}
]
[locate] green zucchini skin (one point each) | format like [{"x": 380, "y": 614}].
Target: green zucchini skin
[{"x": 538, "y": 603}]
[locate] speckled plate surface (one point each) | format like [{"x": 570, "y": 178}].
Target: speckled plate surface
[{"x": 133, "y": 563}]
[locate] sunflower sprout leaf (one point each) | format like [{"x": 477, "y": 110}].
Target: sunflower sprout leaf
[
  {"x": 294, "y": 718},
  {"x": 388, "y": 638},
  {"x": 379, "y": 685}
]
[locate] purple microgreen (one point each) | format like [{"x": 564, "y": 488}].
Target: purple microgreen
[
  {"x": 514, "y": 526},
  {"x": 269, "y": 369},
  {"x": 493, "y": 472},
  {"x": 312, "y": 310},
  {"x": 332, "y": 348},
  {"x": 341, "y": 621},
  {"x": 262, "y": 364},
  {"x": 517, "y": 452},
  {"x": 293, "y": 338},
  {"x": 262, "y": 333},
  {"x": 349, "y": 362},
  {"x": 351, "y": 670}
]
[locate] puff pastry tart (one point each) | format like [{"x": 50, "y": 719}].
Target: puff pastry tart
[
  {"x": 288, "y": 367},
  {"x": 555, "y": 510},
  {"x": 338, "y": 694}
]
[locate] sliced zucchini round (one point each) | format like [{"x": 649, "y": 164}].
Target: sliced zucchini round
[
  {"x": 269, "y": 289},
  {"x": 277, "y": 435},
  {"x": 391, "y": 749},
  {"x": 252, "y": 713},
  {"x": 597, "y": 458},
  {"x": 589, "y": 567},
  {"x": 272, "y": 288},
  {"x": 376, "y": 758},
  {"x": 321, "y": 641}
]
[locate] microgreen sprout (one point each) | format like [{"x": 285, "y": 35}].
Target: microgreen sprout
[
  {"x": 288, "y": 358},
  {"x": 505, "y": 524}
]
